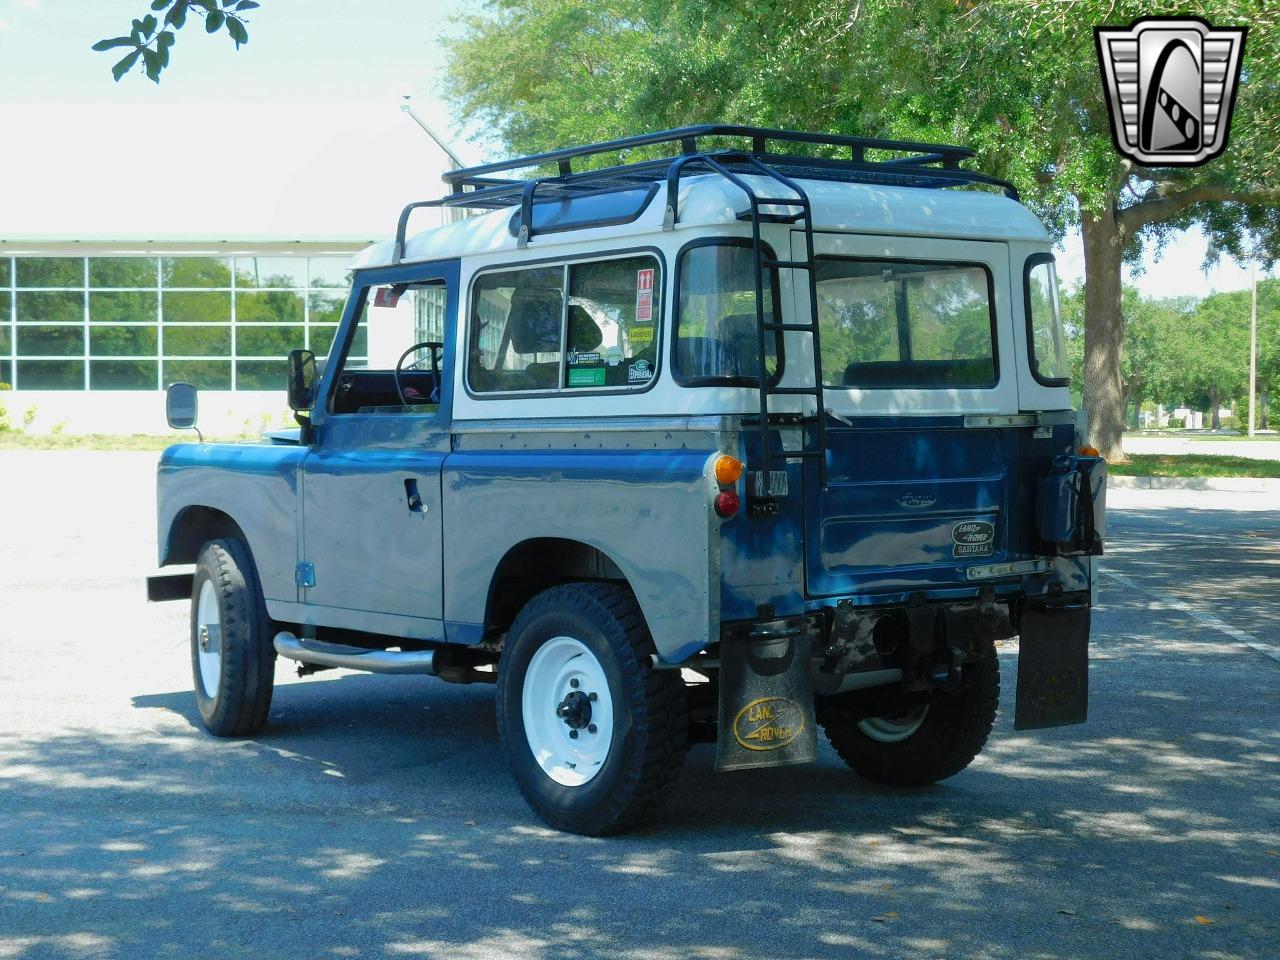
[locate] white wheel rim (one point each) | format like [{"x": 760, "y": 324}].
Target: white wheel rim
[
  {"x": 894, "y": 729},
  {"x": 565, "y": 675},
  {"x": 209, "y": 639}
]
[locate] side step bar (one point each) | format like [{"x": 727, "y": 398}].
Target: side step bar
[{"x": 322, "y": 654}]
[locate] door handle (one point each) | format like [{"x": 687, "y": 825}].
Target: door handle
[{"x": 416, "y": 504}]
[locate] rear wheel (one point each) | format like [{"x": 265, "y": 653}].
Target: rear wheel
[
  {"x": 232, "y": 659},
  {"x": 594, "y": 735},
  {"x": 921, "y": 743}
]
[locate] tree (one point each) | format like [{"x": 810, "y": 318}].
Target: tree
[
  {"x": 150, "y": 39},
  {"x": 1018, "y": 81}
]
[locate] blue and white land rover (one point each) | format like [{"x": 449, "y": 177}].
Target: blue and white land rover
[{"x": 719, "y": 434}]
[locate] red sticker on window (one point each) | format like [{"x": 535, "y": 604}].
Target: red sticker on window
[
  {"x": 385, "y": 297},
  {"x": 644, "y": 295}
]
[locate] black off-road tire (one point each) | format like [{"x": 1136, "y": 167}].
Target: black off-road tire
[
  {"x": 650, "y": 709},
  {"x": 953, "y": 732},
  {"x": 247, "y": 658}
]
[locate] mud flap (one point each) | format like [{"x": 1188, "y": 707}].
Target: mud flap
[
  {"x": 766, "y": 698},
  {"x": 1053, "y": 666}
]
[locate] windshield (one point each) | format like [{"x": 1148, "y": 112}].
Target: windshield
[
  {"x": 901, "y": 323},
  {"x": 1044, "y": 322}
]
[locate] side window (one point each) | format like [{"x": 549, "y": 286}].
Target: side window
[
  {"x": 527, "y": 336},
  {"x": 716, "y": 339},
  {"x": 1044, "y": 322},
  {"x": 392, "y": 320}
]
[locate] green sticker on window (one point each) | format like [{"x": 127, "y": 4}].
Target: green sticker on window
[{"x": 586, "y": 377}]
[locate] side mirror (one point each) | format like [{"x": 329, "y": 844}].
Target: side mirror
[
  {"x": 302, "y": 380},
  {"x": 180, "y": 406}
]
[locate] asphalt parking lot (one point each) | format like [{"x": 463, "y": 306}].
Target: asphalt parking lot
[{"x": 375, "y": 817}]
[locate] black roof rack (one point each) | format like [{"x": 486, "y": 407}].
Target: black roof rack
[{"x": 493, "y": 186}]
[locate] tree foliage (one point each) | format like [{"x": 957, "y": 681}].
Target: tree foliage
[
  {"x": 150, "y": 38},
  {"x": 1018, "y": 81}
]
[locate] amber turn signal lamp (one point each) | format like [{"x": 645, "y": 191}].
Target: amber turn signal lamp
[
  {"x": 1088, "y": 451},
  {"x": 727, "y": 504},
  {"x": 728, "y": 470}
]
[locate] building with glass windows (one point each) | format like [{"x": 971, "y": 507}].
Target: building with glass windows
[{"x": 105, "y": 300}]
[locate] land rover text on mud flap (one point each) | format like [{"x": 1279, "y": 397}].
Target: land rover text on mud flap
[{"x": 758, "y": 436}]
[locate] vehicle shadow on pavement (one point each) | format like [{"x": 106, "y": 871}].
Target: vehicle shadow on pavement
[{"x": 375, "y": 817}]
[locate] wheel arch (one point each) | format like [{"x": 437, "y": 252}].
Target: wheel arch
[
  {"x": 192, "y": 528},
  {"x": 534, "y": 565}
]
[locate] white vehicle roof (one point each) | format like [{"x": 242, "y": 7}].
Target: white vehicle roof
[{"x": 712, "y": 203}]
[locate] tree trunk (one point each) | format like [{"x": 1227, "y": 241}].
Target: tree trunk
[
  {"x": 1103, "y": 332},
  {"x": 1135, "y": 415},
  {"x": 1262, "y": 406},
  {"x": 1214, "y": 403}
]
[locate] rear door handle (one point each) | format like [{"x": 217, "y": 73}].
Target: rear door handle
[{"x": 416, "y": 504}]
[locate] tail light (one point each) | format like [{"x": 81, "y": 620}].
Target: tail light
[
  {"x": 728, "y": 470},
  {"x": 727, "y": 504}
]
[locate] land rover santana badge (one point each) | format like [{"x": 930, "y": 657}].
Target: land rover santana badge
[{"x": 973, "y": 538}]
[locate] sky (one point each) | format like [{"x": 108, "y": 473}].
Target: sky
[{"x": 299, "y": 131}]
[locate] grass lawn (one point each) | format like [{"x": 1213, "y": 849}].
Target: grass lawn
[
  {"x": 18, "y": 440},
  {"x": 1193, "y": 465}
]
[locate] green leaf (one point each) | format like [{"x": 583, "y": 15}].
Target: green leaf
[
  {"x": 247, "y": 5},
  {"x": 176, "y": 16},
  {"x": 238, "y": 33},
  {"x": 165, "y": 40},
  {"x": 152, "y": 61},
  {"x": 163, "y": 53},
  {"x": 125, "y": 65},
  {"x": 113, "y": 42},
  {"x": 160, "y": 4},
  {"x": 149, "y": 25},
  {"x": 209, "y": 5},
  {"x": 214, "y": 20}
]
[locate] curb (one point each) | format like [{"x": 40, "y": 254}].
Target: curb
[{"x": 1230, "y": 484}]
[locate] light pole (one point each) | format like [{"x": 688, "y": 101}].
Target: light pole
[{"x": 455, "y": 163}]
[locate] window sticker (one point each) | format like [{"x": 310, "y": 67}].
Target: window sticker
[
  {"x": 586, "y": 377},
  {"x": 613, "y": 356},
  {"x": 644, "y": 295},
  {"x": 582, "y": 359},
  {"x": 386, "y": 297},
  {"x": 640, "y": 335},
  {"x": 639, "y": 372}
]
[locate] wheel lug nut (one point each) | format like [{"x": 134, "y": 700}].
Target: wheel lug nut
[
  {"x": 592, "y": 697},
  {"x": 574, "y": 684},
  {"x": 573, "y": 734},
  {"x": 591, "y": 728}
]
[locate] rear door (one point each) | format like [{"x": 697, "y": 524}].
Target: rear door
[{"x": 918, "y": 355}]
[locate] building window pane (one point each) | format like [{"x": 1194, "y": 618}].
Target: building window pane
[
  {"x": 205, "y": 374},
  {"x": 50, "y": 272},
  {"x": 128, "y": 307},
  {"x": 264, "y": 341},
  {"x": 321, "y": 340},
  {"x": 327, "y": 307},
  {"x": 196, "y": 272},
  {"x": 6, "y": 342},
  {"x": 197, "y": 307},
  {"x": 271, "y": 272},
  {"x": 61, "y": 307},
  {"x": 197, "y": 341},
  {"x": 272, "y": 307},
  {"x": 260, "y": 374},
  {"x": 4, "y": 306},
  {"x": 6, "y": 375},
  {"x": 122, "y": 342},
  {"x": 51, "y": 341},
  {"x": 330, "y": 271},
  {"x": 51, "y": 374},
  {"x": 4, "y": 271},
  {"x": 122, "y": 272},
  {"x": 122, "y": 374}
]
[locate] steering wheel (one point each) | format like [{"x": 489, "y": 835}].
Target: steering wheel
[{"x": 434, "y": 346}]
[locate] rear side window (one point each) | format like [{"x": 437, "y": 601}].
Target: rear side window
[
  {"x": 716, "y": 339},
  {"x": 570, "y": 327},
  {"x": 1044, "y": 322},
  {"x": 905, "y": 323}
]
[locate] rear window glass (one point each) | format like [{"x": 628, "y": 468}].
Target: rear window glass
[
  {"x": 1044, "y": 322},
  {"x": 899, "y": 323},
  {"x": 717, "y": 340},
  {"x": 571, "y": 327}
]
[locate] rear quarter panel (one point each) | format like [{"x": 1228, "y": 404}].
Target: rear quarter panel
[{"x": 254, "y": 484}]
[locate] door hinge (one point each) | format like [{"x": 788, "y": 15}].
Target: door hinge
[{"x": 304, "y": 574}]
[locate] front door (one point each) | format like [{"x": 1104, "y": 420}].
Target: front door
[{"x": 371, "y": 549}]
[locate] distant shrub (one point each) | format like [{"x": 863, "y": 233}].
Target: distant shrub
[
  {"x": 29, "y": 416},
  {"x": 1176, "y": 423}
]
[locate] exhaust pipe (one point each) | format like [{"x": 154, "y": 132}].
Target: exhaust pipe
[{"x": 320, "y": 654}]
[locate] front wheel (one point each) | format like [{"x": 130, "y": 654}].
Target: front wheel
[
  {"x": 594, "y": 735},
  {"x": 920, "y": 743},
  {"x": 232, "y": 659}
]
